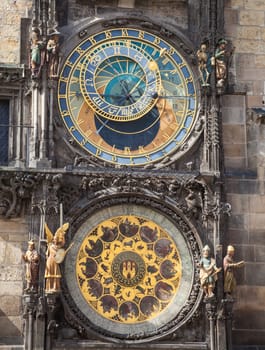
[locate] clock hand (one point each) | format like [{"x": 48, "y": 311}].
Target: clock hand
[
  {"x": 137, "y": 84},
  {"x": 125, "y": 88},
  {"x": 102, "y": 126},
  {"x": 155, "y": 95}
]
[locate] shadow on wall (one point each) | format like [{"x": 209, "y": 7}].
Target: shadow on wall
[{"x": 10, "y": 334}]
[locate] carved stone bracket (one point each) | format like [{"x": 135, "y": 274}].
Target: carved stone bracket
[
  {"x": 15, "y": 189},
  {"x": 12, "y": 74}
]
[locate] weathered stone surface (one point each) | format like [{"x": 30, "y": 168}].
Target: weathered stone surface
[
  {"x": 243, "y": 337},
  {"x": 257, "y": 203},
  {"x": 11, "y": 288},
  {"x": 242, "y": 186},
  {"x": 257, "y": 237},
  {"x": 234, "y": 115},
  {"x": 250, "y": 17},
  {"x": 239, "y": 203},
  {"x": 237, "y": 236},
  {"x": 249, "y": 33},
  {"x": 10, "y": 326},
  {"x": 2, "y": 252},
  {"x": 231, "y": 16},
  {"x": 235, "y": 150},
  {"x": 255, "y": 274},
  {"x": 237, "y": 3},
  {"x": 257, "y": 221},
  {"x": 235, "y": 163},
  {"x": 244, "y": 252},
  {"x": 238, "y": 221},
  {"x": 234, "y": 133},
  {"x": 13, "y": 253},
  {"x": 10, "y": 38},
  {"x": 250, "y": 297},
  {"x": 10, "y": 305},
  {"x": 254, "y": 5},
  {"x": 259, "y": 253}
]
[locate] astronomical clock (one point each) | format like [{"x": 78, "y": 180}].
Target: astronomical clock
[{"x": 128, "y": 98}]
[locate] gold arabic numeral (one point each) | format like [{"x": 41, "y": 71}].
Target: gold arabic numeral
[
  {"x": 80, "y": 51},
  {"x": 79, "y": 66},
  {"x": 141, "y": 149},
  {"x": 124, "y": 32},
  {"x": 98, "y": 152},
  {"x": 69, "y": 63},
  {"x": 189, "y": 79},
  {"x": 64, "y": 79},
  {"x": 148, "y": 158},
  {"x": 170, "y": 51},
  {"x": 64, "y": 114},
  {"x": 72, "y": 128},
  {"x": 165, "y": 61},
  {"x": 157, "y": 41},
  {"x": 80, "y": 121},
  {"x": 74, "y": 80},
  {"x": 108, "y": 34},
  {"x": 88, "y": 133},
  {"x": 131, "y": 161},
  {"x": 114, "y": 157},
  {"x": 141, "y": 34},
  {"x": 83, "y": 142},
  {"x": 127, "y": 150},
  {"x": 93, "y": 40},
  {"x": 165, "y": 135}
]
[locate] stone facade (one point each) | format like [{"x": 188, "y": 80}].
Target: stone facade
[
  {"x": 243, "y": 136},
  {"x": 242, "y": 146}
]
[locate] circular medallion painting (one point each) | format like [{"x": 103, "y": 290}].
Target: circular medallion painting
[{"x": 130, "y": 271}]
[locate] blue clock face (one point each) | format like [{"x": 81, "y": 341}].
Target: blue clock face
[{"x": 127, "y": 97}]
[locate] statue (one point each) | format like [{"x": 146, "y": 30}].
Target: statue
[
  {"x": 36, "y": 54},
  {"x": 55, "y": 255},
  {"x": 220, "y": 63},
  {"x": 31, "y": 258},
  {"x": 229, "y": 266},
  {"x": 208, "y": 272},
  {"x": 204, "y": 63},
  {"x": 53, "y": 55}
]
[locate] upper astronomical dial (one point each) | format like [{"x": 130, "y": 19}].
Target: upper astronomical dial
[
  {"x": 128, "y": 97},
  {"x": 117, "y": 83}
]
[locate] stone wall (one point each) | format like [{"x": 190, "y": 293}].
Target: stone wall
[
  {"x": 11, "y": 12},
  {"x": 13, "y": 238},
  {"x": 243, "y": 135}
]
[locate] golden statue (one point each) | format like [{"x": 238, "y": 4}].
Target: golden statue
[
  {"x": 55, "y": 255},
  {"x": 31, "y": 258},
  {"x": 229, "y": 266}
]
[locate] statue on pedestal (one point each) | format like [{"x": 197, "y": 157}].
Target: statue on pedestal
[
  {"x": 204, "y": 63},
  {"x": 55, "y": 255},
  {"x": 208, "y": 272},
  {"x": 229, "y": 267},
  {"x": 31, "y": 258},
  {"x": 53, "y": 55}
]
